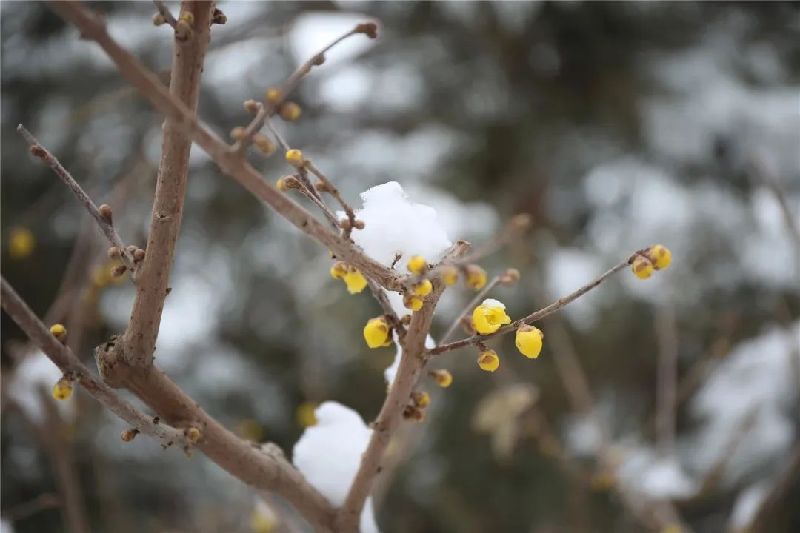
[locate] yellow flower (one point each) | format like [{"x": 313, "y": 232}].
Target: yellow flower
[
  {"x": 273, "y": 95},
  {"x": 290, "y": 111},
  {"x": 642, "y": 267},
  {"x": 355, "y": 281},
  {"x": 529, "y": 341},
  {"x": 294, "y": 157},
  {"x": 193, "y": 434},
  {"x": 423, "y": 288},
  {"x": 417, "y": 264},
  {"x": 489, "y": 316},
  {"x": 660, "y": 256},
  {"x": 306, "y": 415},
  {"x": 58, "y": 331},
  {"x": 21, "y": 243},
  {"x": 449, "y": 275},
  {"x": 338, "y": 270},
  {"x": 488, "y": 361},
  {"x": 421, "y": 399},
  {"x": 442, "y": 377},
  {"x": 412, "y": 302},
  {"x": 62, "y": 390},
  {"x": 476, "y": 277},
  {"x": 377, "y": 332}
]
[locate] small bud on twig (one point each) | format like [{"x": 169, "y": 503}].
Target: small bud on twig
[
  {"x": 290, "y": 111},
  {"x": 59, "y": 332},
  {"x": 113, "y": 253},
  {"x": 129, "y": 434},
  {"x": 218, "y": 17},
  {"x": 237, "y": 133},
  {"x": 106, "y": 213},
  {"x": 138, "y": 255},
  {"x": 263, "y": 143},
  {"x": 509, "y": 277},
  {"x": 370, "y": 29},
  {"x": 38, "y": 151},
  {"x": 118, "y": 271},
  {"x": 158, "y": 19},
  {"x": 251, "y": 106}
]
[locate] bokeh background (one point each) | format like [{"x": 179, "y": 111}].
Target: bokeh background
[{"x": 613, "y": 125}]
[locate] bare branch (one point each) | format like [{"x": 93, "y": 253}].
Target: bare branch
[
  {"x": 187, "y": 66},
  {"x": 536, "y": 315},
  {"x": 666, "y": 393},
  {"x": 152, "y": 89},
  {"x": 106, "y": 224},
  {"x": 71, "y": 365}
]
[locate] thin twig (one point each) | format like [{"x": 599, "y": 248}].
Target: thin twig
[
  {"x": 536, "y": 315},
  {"x": 63, "y": 357},
  {"x": 291, "y": 83},
  {"x": 166, "y": 13},
  {"x": 666, "y": 392},
  {"x": 106, "y": 225},
  {"x": 331, "y": 189},
  {"x": 469, "y": 307}
]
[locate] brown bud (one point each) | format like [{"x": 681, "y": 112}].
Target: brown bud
[
  {"x": 321, "y": 186},
  {"x": 406, "y": 320},
  {"x": 413, "y": 413},
  {"x": 129, "y": 434},
  {"x": 359, "y": 224},
  {"x": 290, "y": 111},
  {"x": 38, "y": 151},
  {"x": 238, "y": 133},
  {"x": 370, "y": 29},
  {"x": 118, "y": 271},
  {"x": 345, "y": 224},
  {"x": 218, "y": 17},
  {"x": 318, "y": 59},
  {"x": 158, "y": 19},
  {"x": 113, "y": 253},
  {"x": 509, "y": 277},
  {"x": 183, "y": 30},
  {"x": 251, "y": 106},
  {"x": 263, "y": 143},
  {"x": 138, "y": 255},
  {"x": 106, "y": 213}
]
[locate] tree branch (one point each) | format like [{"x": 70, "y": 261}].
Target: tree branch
[
  {"x": 63, "y": 357},
  {"x": 230, "y": 164},
  {"x": 139, "y": 340},
  {"x": 106, "y": 224},
  {"x": 536, "y": 315}
]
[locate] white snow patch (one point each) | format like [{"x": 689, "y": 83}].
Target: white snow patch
[
  {"x": 656, "y": 477},
  {"x": 328, "y": 455},
  {"x": 747, "y": 504}
]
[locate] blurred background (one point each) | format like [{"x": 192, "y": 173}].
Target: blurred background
[{"x": 613, "y": 125}]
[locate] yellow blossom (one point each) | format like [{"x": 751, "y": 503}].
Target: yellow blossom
[
  {"x": 417, "y": 264},
  {"x": 421, "y": 399},
  {"x": 660, "y": 256},
  {"x": 290, "y": 111},
  {"x": 476, "y": 277},
  {"x": 58, "y": 331},
  {"x": 488, "y": 361},
  {"x": 193, "y": 434},
  {"x": 62, "y": 390},
  {"x": 338, "y": 270},
  {"x": 449, "y": 275},
  {"x": 273, "y": 95},
  {"x": 442, "y": 377},
  {"x": 642, "y": 267},
  {"x": 423, "y": 288},
  {"x": 294, "y": 157},
  {"x": 489, "y": 316},
  {"x": 21, "y": 243},
  {"x": 529, "y": 341},
  {"x": 355, "y": 281},
  {"x": 412, "y": 302},
  {"x": 377, "y": 332}
]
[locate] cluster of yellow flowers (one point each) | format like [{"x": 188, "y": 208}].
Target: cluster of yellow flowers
[
  {"x": 657, "y": 257},
  {"x": 488, "y": 318},
  {"x": 352, "y": 278}
]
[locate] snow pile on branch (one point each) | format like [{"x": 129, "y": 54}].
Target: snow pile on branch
[
  {"x": 393, "y": 224},
  {"x": 328, "y": 455},
  {"x": 31, "y": 385}
]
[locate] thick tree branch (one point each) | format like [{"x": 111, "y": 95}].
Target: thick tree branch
[{"x": 139, "y": 340}]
